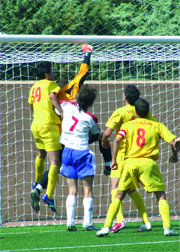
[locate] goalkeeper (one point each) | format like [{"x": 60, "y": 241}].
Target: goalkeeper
[
  {"x": 68, "y": 91},
  {"x": 119, "y": 117},
  {"x": 142, "y": 150}
]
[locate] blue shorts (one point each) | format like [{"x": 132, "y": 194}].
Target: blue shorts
[{"x": 78, "y": 164}]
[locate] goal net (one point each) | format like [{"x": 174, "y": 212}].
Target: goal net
[{"x": 152, "y": 64}]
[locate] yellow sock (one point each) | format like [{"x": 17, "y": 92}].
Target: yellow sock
[
  {"x": 165, "y": 213},
  {"x": 120, "y": 215},
  {"x": 139, "y": 204},
  {"x": 112, "y": 211},
  {"x": 39, "y": 168},
  {"x": 52, "y": 179}
]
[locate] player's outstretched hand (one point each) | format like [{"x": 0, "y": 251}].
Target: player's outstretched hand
[{"x": 86, "y": 48}]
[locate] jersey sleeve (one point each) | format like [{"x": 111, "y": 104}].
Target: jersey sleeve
[
  {"x": 165, "y": 134},
  {"x": 53, "y": 87},
  {"x": 71, "y": 89},
  {"x": 115, "y": 119},
  {"x": 94, "y": 128}
]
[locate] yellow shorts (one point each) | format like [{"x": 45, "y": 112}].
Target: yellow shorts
[
  {"x": 46, "y": 136},
  {"x": 144, "y": 171}
]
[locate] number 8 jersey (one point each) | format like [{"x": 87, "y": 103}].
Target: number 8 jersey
[
  {"x": 142, "y": 138},
  {"x": 76, "y": 126}
]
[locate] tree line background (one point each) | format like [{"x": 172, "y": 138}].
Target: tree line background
[
  {"x": 90, "y": 17},
  {"x": 93, "y": 17}
]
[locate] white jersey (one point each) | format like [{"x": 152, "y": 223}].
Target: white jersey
[{"x": 76, "y": 126}]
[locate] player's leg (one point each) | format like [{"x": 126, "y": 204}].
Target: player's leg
[
  {"x": 139, "y": 204},
  {"x": 50, "y": 136},
  {"x": 71, "y": 203},
  {"x": 52, "y": 178},
  {"x": 88, "y": 203},
  {"x": 115, "y": 178},
  {"x": 107, "y": 156},
  {"x": 112, "y": 212},
  {"x": 39, "y": 166},
  {"x": 39, "y": 162},
  {"x": 165, "y": 214},
  {"x": 35, "y": 192}
]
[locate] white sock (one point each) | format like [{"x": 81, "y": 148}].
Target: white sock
[
  {"x": 70, "y": 209},
  {"x": 39, "y": 187},
  {"x": 88, "y": 211}
]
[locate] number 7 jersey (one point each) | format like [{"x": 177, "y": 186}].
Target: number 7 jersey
[
  {"x": 76, "y": 126},
  {"x": 142, "y": 138}
]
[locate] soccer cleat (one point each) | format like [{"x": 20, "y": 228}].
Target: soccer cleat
[
  {"x": 170, "y": 232},
  {"x": 118, "y": 226},
  {"x": 145, "y": 227},
  {"x": 103, "y": 232},
  {"x": 34, "y": 185},
  {"x": 35, "y": 198},
  {"x": 86, "y": 48},
  {"x": 49, "y": 202},
  {"x": 90, "y": 228},
  {"x": 71, "y": 228}
]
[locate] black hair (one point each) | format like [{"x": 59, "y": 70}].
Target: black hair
[
  {"x": 86, "y": 97},
  {"x": 42, "y": 69},
  {"x": 62, "y": 82},
  {"x": 142, "y": 108},
  {"x": 132, "y": 94}
]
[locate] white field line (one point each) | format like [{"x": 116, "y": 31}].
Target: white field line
[{"x": 90, "y": 246}]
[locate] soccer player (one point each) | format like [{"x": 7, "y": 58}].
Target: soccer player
[
  {"x": 119, "y": 117},
  {"x": 78, "y": 162},
  {"x": 45, "y": 127},
  {"x": 65, "y": 91},
  {"x": 142, "y": 150},
  {"x": 68, "y": 91}
]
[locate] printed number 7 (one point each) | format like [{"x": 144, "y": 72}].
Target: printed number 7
[{"x": 75, "y": 123}]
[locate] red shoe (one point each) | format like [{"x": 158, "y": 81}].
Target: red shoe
[
  {"x": 118, "y": 226},
  {"x": 86, "y": 48}
]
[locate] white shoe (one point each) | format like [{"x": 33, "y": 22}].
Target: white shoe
[
  {"x": 170, "y": 232},
  {"x": 145, "y": 227},
  {"x": 103, "y": 232}
]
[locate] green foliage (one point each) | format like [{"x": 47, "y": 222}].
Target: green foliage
[{"x": 90, "y": 17}]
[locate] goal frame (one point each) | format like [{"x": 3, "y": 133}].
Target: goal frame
[{"x": 6, "y": 38}]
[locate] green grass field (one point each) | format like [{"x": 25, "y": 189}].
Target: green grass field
[{"x": 57, "y": 238}]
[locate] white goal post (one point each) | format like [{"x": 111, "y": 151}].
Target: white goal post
[{"x": 152, "y": 63}]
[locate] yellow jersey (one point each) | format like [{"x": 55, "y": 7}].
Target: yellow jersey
[
  {"x": 71, "y": 89},
  {"x": 121, "y": 116},
  {"x": 42, "y": 106},
  {"x": 142, "y": 138}
]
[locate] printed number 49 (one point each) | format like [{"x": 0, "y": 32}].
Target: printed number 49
[
  {"x": 140, "y": 141},
  {"x": 36, "y": 93},
  {"x": 75, "y": 123}
]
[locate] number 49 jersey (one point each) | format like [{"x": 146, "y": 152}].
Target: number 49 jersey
[
  {"x": 42, "y": 106},
  {"x": 76, "y": 126},
  {"x": 142, "y": 138}
]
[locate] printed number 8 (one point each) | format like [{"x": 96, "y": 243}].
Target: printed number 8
[{"x": 140, "y": 141}]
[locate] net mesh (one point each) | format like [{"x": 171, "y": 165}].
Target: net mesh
[{"x": 153, "y": 68}]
